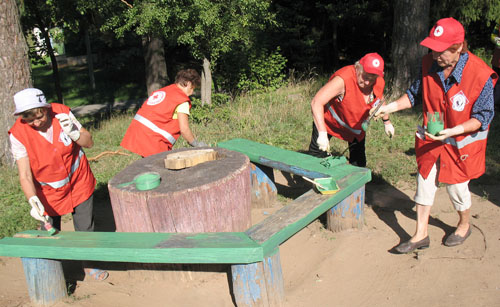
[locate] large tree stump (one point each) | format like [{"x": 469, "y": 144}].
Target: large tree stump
[{"x": 213, "y": 196}]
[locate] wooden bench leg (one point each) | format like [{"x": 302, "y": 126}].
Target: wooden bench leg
[
  {"x": 45, "y": 280},
  {"x": 349, "y": 213},
  {"x": 263, "y": 189},
  {"x": 260, "y": 283}
]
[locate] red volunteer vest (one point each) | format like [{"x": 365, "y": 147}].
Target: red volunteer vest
[
  {"x": 62, "y": 175},
  {"x": 462, "y": 157},
  {"x": 153, "y": 129},
  {"x": 344, "y": 115}
]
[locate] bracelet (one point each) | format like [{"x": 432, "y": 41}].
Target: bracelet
[{"x": 386, "y": 120}]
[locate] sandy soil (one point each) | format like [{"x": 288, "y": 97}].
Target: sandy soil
[{"x": 321, "y": 268}]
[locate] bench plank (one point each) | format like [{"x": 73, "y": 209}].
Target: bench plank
[
  {"x": 282, "y": 159},
  {"x": 225, "y": 247}
]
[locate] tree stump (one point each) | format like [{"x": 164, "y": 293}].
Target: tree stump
[
  {"x": 348, "y": 214},
  {"x": 213, "y": 196}
]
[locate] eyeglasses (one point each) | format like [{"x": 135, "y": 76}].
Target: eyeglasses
[{"x": 32, "y": 120}]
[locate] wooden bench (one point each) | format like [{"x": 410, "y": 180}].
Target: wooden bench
[{"x": 253, "y": 255}]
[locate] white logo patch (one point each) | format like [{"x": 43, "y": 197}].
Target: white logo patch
[
  {"x": 156, "y": 98},
  {"x": 438, "y": 31},
  {"x": 458, "y": 101},
  {"x": 63, "y": 138},
  {"x": 376, "y": 63}
]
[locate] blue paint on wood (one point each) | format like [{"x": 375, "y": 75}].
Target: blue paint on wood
[
  {"x": 352, "y": 205},
  {"x": 45, "y": 280},
  {"x": 262, "y": 178},
  {"x": 247, "y": 282},
  {"x": 291, "y": 168}
]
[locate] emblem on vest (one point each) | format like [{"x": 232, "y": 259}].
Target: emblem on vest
[
  {"x": 458, "y": 101},
  {"x": 64, "y": 139},
  {"x": 156, "y": 98}
]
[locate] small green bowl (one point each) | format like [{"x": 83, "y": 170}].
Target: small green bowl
[{"x": 147, "y": 181}]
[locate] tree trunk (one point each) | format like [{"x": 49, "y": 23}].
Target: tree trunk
[
  {"x": 53, "y": 60},
  {"x": 411, "y": 25},
  {"x": 15, "y": 70},
  {"x": 335, "y": 47},
  {"x": 156, "y": 66},
  {"x": 90, "y": 63},
  {"x": 206, "y": 83}
]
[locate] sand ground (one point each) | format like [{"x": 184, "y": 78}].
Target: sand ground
[{"x": 321, "y": 268}]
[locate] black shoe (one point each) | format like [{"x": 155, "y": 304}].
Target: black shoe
[
  {"x": 408, "y": 246},
  {"x": 454, "y": 240}
]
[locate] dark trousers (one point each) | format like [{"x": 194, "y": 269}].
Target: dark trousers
[
  {"x": 497, "y": 89},
  {"x": 83, "y": 217},
  {"x": 357, "y": 155}
]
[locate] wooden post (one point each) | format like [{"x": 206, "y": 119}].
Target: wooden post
[
  {"x": 260, "y": 283},
  {"x": 45, "y": 280},
  {"x": 264, "y": 192},
  {"x": 347, "y": 214}
]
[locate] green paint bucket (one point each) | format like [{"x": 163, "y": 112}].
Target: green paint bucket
[{"x": 145, "y": 181}]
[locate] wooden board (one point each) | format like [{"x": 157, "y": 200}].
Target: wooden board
[
  {"x": 180, "y": 160},
  {"x": 225, "y": 247}
]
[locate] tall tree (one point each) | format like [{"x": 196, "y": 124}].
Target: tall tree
[
  {"x": 45, "y": 15},
  {"x": 15, "y": 70},
  {"x": 411, "y": 25}
]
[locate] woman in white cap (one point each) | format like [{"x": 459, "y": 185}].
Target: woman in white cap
[
  {"x": 459, "y": 86},
  {"x": 54, "y": 173},
  {"x": 340, "y": 107}
]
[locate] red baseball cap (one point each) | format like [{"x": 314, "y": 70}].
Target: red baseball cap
[
  {"x": 446, "y": 32},
  {"x": 373, "y": 64}
]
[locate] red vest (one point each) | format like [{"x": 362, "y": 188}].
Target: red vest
[
  {"x": 153, "y": 129},
  {"x": 461, "y": 157},
  {"x": 62, "y": 175},
  {"x": 344, "y": 115}
]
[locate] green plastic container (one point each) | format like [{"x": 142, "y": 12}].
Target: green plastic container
[
  {"x": 330, "y": 186},
  {"x": 145, "y": 181}
]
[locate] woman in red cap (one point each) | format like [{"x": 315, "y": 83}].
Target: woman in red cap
[
  {"x": 459, "y": 86},
  {"x": 340, "y": 107}
]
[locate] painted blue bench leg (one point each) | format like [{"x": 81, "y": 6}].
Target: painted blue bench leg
[
  {"x": 260, "y": 283},
  {"x": 349, "y": 213},
  {"x": 264, "y": 192},
  {"x": 45, "y": 280}
]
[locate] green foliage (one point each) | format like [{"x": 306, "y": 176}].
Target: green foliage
[
  {"x": 266, "y": 71},
  {"x": 205, "y": 114}
]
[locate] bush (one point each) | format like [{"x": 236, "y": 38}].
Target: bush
[{"x": 266, "y": 71}]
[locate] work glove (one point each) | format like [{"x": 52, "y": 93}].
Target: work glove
[
  {"x": 497, "y": 41},
  {"x": 68, "y": 126},
  {"x": 37, "y": 209},
  {"x": 389, "y": 128},
  {"x": 384, "y": 110},
  {"x": 323, "y": 141},
  {"x": 446, "y": 133},
  {"x": 196, "y": 143}
]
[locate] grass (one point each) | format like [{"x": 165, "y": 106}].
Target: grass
[{"x": 280, "y": 118}]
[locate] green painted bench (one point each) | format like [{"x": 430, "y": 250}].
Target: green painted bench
[{"x": 253, "y": 254}]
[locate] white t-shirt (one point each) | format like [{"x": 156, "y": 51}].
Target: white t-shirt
[
  {"x": 182, "y": 108},
  {"x": 19, "y": 151}
]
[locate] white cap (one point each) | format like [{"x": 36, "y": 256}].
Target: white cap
[{"x": 29, "y": 98}]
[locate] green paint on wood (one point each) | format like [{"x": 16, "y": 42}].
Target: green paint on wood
[
  {"x": 227, "y": 247},
  {"x": 251, "y": 246},
  {"x": 286, "y": 160}
]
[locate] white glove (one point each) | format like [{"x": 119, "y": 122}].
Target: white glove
[
  {"x": 37, "y": 209},
  {"x": 446, "y": 133},
  {"x": 68, "y": 127},
  {"x": 389, "y": 129},
  {"x": 384, "y": 110},
  {"x": 196, "y": 143},
  {"x": 322, "y": 141},
  {"x": 497, "y": 41}
]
